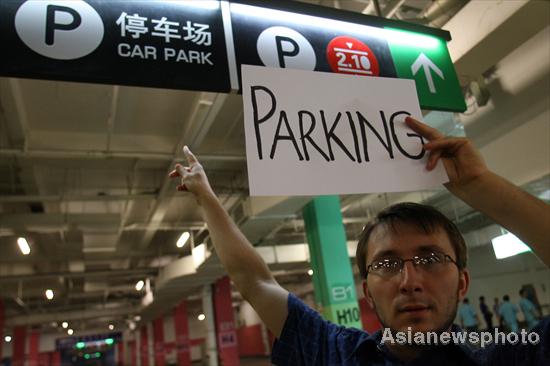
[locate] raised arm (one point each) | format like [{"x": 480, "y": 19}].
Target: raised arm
[
  {"x": 471, "y": 181},
  {"x": 244, "y": 265}
]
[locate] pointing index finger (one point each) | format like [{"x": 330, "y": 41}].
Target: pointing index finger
[
  {"x": 191, "y": 158},
  {"x": 423, "y": 129}
]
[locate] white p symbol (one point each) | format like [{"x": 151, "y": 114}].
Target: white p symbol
[
  {"x": 63, "y": 30},
  {"x": 284, "y": 47}
]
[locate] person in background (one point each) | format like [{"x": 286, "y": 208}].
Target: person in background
[
  {"x": 468, "y": 317},
  {"x": 529, "y": 310},
  {"x": 487, "y": 315},
  {"x": 496, "y": 311},
  {"x": 508, "y": 313}
]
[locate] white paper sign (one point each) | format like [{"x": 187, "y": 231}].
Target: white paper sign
[{"x": 316, "y": 133}]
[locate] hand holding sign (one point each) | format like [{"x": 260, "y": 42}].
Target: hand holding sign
[{"x": 461, "y": 160}]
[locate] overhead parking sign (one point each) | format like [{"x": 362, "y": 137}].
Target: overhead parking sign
[
  {"x": 343, "y": 42},
  {"x": 200, "y": 45}
]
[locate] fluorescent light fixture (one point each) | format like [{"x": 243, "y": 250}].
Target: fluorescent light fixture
[
  {"x": 402, "y": 37},
  {"x": 199, "y": 254},
  {"x": 64, "y": 325},
  {"x": 203, "y": 4},
  {"x": 7, "y": 339},
  {"x": 412, "y": 39},
  {"x": 70, "y": 332},
  {"x": 310, "y": 272},
  {"x": 201, "y": 317},
  {"x": 139, "y": 285},
  {"x": 24, "y": 246},
  {"x": 111, "y": 327},
  {"x": 49, "y": 294},
  {"x": 302, "y": 19},
  {"x": 183, "y": 239},
  {"x": 508, "y": 245}
]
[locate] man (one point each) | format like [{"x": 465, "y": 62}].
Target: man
[
  {"x": 496, "y": 310},
  {"x": 412, "y": 261},
  {"x": 487, "y": 315},
  {"x": 529, "y": 310},
  {"x": 468, "y": 316},
  {"x": 508, "y": 312}
]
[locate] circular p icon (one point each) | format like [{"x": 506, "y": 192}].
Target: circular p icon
[
  {"x": 62, "y": 30},
  {"x": 284, "y": 47}
]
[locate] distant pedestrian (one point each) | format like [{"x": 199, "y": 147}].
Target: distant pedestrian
[
  {"x": 468, "y": 316},
  {"x": 508, "y": 312},
  {"x": 496, "y": 311},
  {"x": 487, "y": 315},
  {"x": 529, "y": 310}
]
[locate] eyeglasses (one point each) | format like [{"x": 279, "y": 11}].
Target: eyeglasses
[{"x": 431, "y": 262}]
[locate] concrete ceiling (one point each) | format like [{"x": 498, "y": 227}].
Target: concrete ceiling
[{"x": 83, "y": 168}]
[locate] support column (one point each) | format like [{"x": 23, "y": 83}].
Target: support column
[
  {"x": 225, "y": 323},
  {"x": 181, "y": 327},
  {"x": 133, "y": 353},
  {"x": 2, "y": 321},
  {"x": 34, "y": 341},
  {"x": 150, "y": 344},
  {"x": 332, "y": 274},
  {"x": 211, "y": 351},
  {"x": 18, "y": 350},
  {"x": 158, "y": 332},
  {"x": 120, "y": 353},
  {"x": 143, "y": 346},
  {"x": 56, "y": 359}
]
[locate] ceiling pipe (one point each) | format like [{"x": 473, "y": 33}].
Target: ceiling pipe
[{"x": 96, "y": 154}]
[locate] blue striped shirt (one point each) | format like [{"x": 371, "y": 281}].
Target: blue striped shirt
[{"x": 308, "y": 339}]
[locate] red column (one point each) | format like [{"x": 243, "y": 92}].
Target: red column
[
  {"x": 120, "y": 352},
  {"x": 56, "y": 358},
  {"x": 158, "y": 340},
  {"x": 133, "y": 355},
  {"x": 181, "y": 326},
  {"x": 1, "y": 326},
  {"x": 34, "y": 340},
  {"x": 225, "y": 323},
  {"x": 19, "y": 340},
  {"x": 144, "y": 354}
]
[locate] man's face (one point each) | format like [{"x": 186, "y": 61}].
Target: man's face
[{"x": 424, "y": 301}]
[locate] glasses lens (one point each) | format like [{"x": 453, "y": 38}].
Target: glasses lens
[
  {"x": 430, "y": 261},
  {"x": 386, "y": 266}
]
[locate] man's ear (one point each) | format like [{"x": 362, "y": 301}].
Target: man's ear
[
  {"x": 366, "y": 292},
  {"x": 463, "y": 283}
]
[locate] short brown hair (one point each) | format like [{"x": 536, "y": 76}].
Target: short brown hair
[{"x": 421, "y": 216}]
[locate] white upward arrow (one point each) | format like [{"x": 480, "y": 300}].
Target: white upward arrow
[{"x": 427, "y": 64}]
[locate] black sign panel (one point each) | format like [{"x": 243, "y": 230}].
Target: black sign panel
[
  {"x": 172, "y": 44},
  {"x": 275, "y": 38}
]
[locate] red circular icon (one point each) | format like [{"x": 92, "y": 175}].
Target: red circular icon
[{"x": 350, "y": 56}]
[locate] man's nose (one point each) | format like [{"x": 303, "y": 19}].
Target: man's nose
[{"x": 411, "y": 279}]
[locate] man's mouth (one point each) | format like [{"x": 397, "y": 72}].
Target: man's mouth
[{"x": 414, "y": 309}]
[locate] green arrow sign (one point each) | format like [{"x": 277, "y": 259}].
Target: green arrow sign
[{"x": 426, "y": 59}]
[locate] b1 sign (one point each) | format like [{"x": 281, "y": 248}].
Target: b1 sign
[{"x": 315, "y": 133}]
